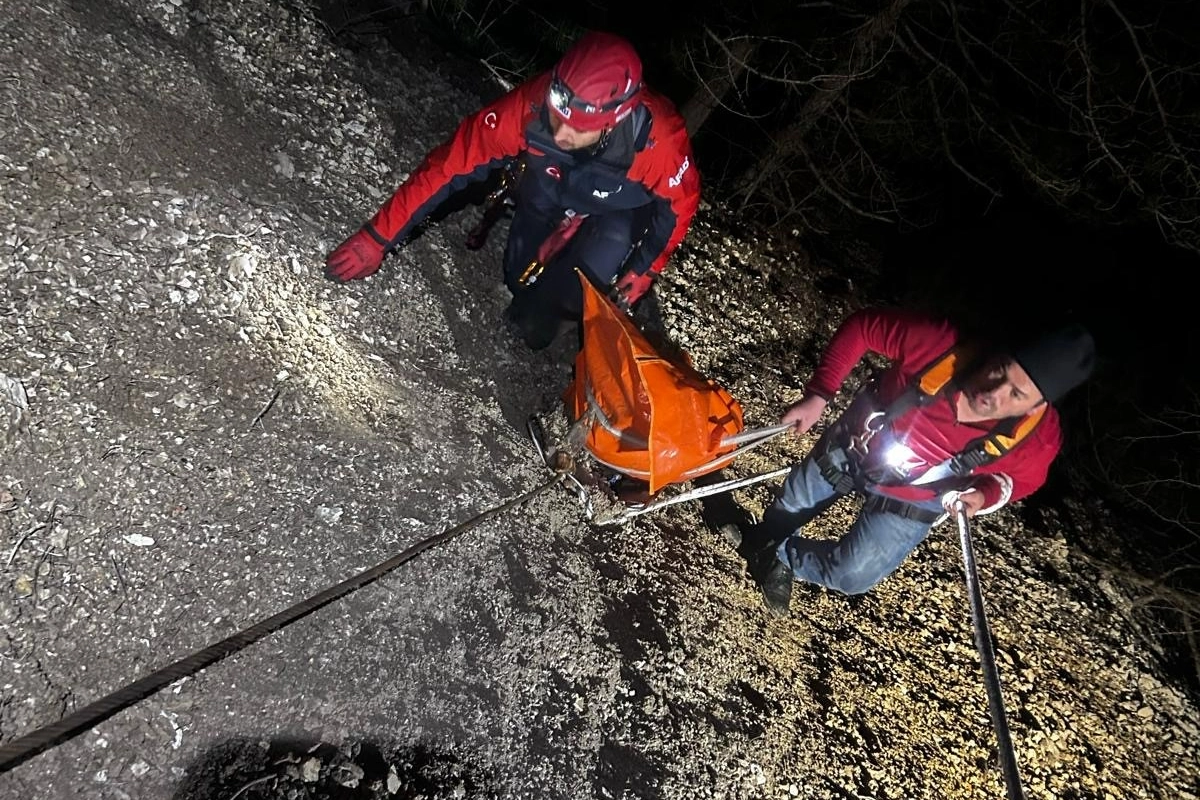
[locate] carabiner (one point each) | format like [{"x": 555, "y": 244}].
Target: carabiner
[{"x": 873, "y": 424}]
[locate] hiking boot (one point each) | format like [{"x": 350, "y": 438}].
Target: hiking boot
[
  {"x": 774, "y": 579},
  {"x": 757, "y": 538},
  {"x": 631, "y": 491},
  {"x": 732, "y": 534},
  {"x": 540, "y": 336},
  {"x": 749, "y": 539},
  {"x": 535, "y": 326}
]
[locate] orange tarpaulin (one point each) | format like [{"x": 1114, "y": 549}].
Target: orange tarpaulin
[{"x": 651, "y": 418}]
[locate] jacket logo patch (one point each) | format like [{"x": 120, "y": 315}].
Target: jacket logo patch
[
  {"x": 553, "y": 172},
  {"x": 677, "y": 178}
]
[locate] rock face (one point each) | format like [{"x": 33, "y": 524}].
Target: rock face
[{"x": 200, "y": 431}]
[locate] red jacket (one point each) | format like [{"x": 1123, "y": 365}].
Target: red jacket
[
  {"x": 662, "y": 174},
  {"x": 932, "y": 432}
]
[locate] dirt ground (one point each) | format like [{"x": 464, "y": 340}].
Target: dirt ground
[{"x": 201, "y": 430}]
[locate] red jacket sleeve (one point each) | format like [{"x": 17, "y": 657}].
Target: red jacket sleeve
[
  {"x": 911, "y": 340},
  {"x": 667, "y": 168},
  {"x": 482, "y": 142}
]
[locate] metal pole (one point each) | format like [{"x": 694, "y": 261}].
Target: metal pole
[
  {"x": 754, "y": 435},
  {"x": 692, "y": 494},
  {"x": 987, "y": 657}
]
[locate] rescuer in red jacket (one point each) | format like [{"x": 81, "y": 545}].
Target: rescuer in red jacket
[
  {"x": 605, "y": 181},
  {"x": 947, "y": 422}
]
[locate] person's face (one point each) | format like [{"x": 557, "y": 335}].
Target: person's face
[
  {"x": 1001, "y": 389},
  {"x": 568, "y": 138}
]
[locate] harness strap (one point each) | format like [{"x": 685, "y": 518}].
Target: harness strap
[
  {"x": 926, "y": 385},
  {"x": 840, "y": 479},
  {"x": 890, "y": 505},
  {"x": 846, "y": 480},
  {"x": 987, "y": 448},
  {"x": 935, "y": 379}
]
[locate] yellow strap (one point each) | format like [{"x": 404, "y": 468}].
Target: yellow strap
[
  {"x": 938, "y": 375},
  {"x": 531, "y": 272},
  {"x": 1000, "y": 444}
]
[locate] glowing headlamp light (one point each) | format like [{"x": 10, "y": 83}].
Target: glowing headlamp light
[
  {"x": 559, "y": 97},
  {"x": 899, "y": 457}
]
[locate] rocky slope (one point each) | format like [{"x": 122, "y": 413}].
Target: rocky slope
[{"x": 201, "y": 430}]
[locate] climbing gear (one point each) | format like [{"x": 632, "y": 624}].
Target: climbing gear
[
  {"x": 646, "y": 416},
  {"x": 985, "y": 449},
  {"x": 531, "y": 273},
  {"x": 656, "y": 503},
  {"x": 880, "y": 504},
  {"x": 634, "y": 412},
  {"x": 930, "y": 384},
  {"x": 987, "y": 658},
  {"x": 596, "y": 82},
  {"x": 630, "y": 288},
  {"x": 863, "y": 429},
  {"x": 21, "y": 749},
  {"x": 774, "y": 580},
  {"x": 497, "y": 203}
]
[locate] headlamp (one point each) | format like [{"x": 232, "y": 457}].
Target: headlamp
[
  {"x": 899, "y": 457},
  {"x": 560, "y": 98},
  {"x": 563, "y": 100}
]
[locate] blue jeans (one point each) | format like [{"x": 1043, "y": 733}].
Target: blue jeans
[{"x": 870, "y": 551}]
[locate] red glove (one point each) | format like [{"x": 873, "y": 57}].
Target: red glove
[
  {"x": 631, "y": 287},
  {"x": 357, "y": 257}
]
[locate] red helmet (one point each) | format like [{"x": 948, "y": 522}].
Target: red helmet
[{"x": 596, "y": 83}]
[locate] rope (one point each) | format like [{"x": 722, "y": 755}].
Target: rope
[
  {"x": 987, "y": 656},
  {"x": 20, "y": 750}
]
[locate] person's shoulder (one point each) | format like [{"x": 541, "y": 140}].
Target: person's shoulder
[
  {"x": 505, "y": 118},
  {"x": 666, "y": 121},
  {"x": 656, "y": 101},
  {"x": 1049, "y": 433},
  {"x": 909, "y": 319},
  {"x": 532, "y": 89},
  {"x": 666, "y": 161}
]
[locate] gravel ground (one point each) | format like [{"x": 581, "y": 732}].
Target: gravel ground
[{"x": 201, "y": 431}]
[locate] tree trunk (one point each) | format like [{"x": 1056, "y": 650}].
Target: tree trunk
[
  {"x": 827, "y": 90},
  {"x": 718, "y": 83}
]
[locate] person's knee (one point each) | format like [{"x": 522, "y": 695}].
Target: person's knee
[{"x": 857, "y": 569}]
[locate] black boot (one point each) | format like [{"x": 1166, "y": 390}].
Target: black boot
[
  {"x": 539, "y": 330},
  {"x": 757, "y": 545},
  {"x": 755, "y": 539},
  {"x": 535, "y": 324},
  {"x": 774, "y": 579}
]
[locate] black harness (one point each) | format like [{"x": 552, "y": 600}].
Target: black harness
[{"x": 842, "y": 454}]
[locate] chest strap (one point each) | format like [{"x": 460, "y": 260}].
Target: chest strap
[{"x": 934, "y": 381}]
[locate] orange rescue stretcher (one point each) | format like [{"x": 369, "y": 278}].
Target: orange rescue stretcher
[{"x": 642, "y": 414}]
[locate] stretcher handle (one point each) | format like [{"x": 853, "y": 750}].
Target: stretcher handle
[{"x": 754, "y": 435}]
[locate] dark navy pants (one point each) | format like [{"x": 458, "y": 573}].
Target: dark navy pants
[{"x": 599, "y": 246}]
